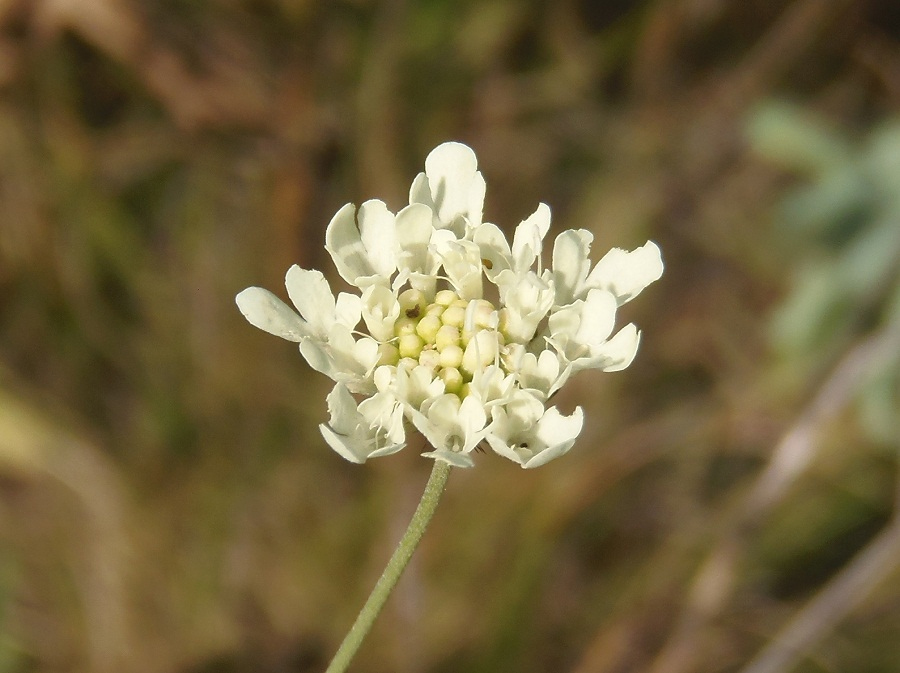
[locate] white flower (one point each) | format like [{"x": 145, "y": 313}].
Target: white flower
[
  {"x": 454, "y": 427},
  {"x": 580, "y": 332},
  {"x": 374, "y": 428},
  {"x": 530, "y": 438},
  {"x": 365, "y": 253},
  {"x": 623, "y": 274},
  {"x": 454, "y": 332},
  {"x": 542, "y": 374}
]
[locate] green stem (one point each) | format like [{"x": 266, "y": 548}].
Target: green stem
[{"x": 393, "y": 570}]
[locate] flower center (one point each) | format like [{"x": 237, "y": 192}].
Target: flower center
[{"x": 453, "y": 337}]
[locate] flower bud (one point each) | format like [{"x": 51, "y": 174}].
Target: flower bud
[
  {"x": 480, "y": 352},
  {"x": 445, "y": 297},
  {"x": 430, "y": 358},
  {"x": 435, "y": 309},
  {"x": 453, "y": 380},
  {"x": 412, "y": 302},
  {"x": 428, "y": 328},
  {"x": 451, "y": 356},
  {"x": 405, "y": 326},
  {"x": 504, "y": 320},
  {"x": 388, "y": 354},
  {"x": 407, "y": 364},
  {"x": 485, "y": 316},
  {"x": 410, "y": 346},
  {"x": 447, "y": 335},
  {"x": 454, "y": 316}
]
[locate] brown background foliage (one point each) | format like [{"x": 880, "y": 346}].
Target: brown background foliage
[{"x": 166, "y": 502}]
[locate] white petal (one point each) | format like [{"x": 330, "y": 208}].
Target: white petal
[
  {"x": 384, "y": 414},
  {"x": 349, "y": 448},
  {"x": 523, "y": 411},
  {"x": 420, "y": 192},
  {"x": 626, "y": 274},
  {"x": 451, "y": 458},
  {"x": 564, "y": 323},
  {"x": 451, "y": 169},
  {"x": 378, "y": 234},
  {"x": 527, "y": 297},
  {"x": 384, "y": 378},
  {"x": 441, "y": 238},
  {"x": 418, "y": 385},
  {"x": 387, "y": 450},
  {"x": 462, "y": 262},
  {"x": 264, "y": 310},
  {"x": 492, "y": 386},
  {"x": 342, "y": 410},
  {"x": 311, "y": 294},
  {"x": 619, "y": 352},
  {"x": 444, "y": 410},
  {"x": 531, "y": 376},
  {"x": 434, "y": 434},
  {"x": 558, "y": 433},
  {"x": 316, "y": 357},
  {"x": 527, "y": 241},
  {"x": 562, "y": 378},
  {"x": 348, "y": 309},
  {"x": 553, "y": 428},
  {"x": 414, "y": 232},
  {"x": 476, "y": 199},
  {"x": 494, "y": 248},
  {"x": 380, "y": 311},
  {"x": 365, "y": 353},
  {"x": 376, "y": 410},
  {"x": 351, "y": 360},
  {"x": 471, "y": 421},
  {"x": 502, "y": 448},
  {"x": 598, "y": 316},
  {"x": 548, "y": 371},
  {"x": 570, "y": 263},
  {"x": 395, "y": 429},
  {"x": 343, "y": 243},
  {"x": 450, "y": 426}
]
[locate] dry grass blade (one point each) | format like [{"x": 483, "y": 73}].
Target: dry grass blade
[
  {"x": 831, "y": 604},
  {"x": 713, "y": 584}
]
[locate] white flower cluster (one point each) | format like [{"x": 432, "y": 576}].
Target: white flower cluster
[{"x": 466, "y": 337}]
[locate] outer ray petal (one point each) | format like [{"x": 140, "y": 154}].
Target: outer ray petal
[
  {"x": 343, "y": 243},
  {"x": 311, "y": 294},
  {"x": 414, "y": 232},
  {"x": 451, "y": 458},
  {"x": 570, "y": 263},
  {"x": 558, "y": 433},
  {"x": 345, "y": 446},
  {"x": 456, "y": 186},
  {"x": 493, "y": 248},
  {"x": 379, "y": 236},
  {"x": 598, "y": 316},
  {"x": 619, "y": 352},
  {"x": 626, "y": 274},
  {"x": 264, "y": 310},
  {"x": 528, "y": 238}
]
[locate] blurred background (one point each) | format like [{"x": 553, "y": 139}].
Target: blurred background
[{"x": 166, "y": 501}]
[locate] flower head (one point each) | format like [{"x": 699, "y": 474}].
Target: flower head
[{"x": 454, "y": 332}]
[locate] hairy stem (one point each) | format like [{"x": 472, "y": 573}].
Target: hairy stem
[{"x": 388, "y": 580}]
